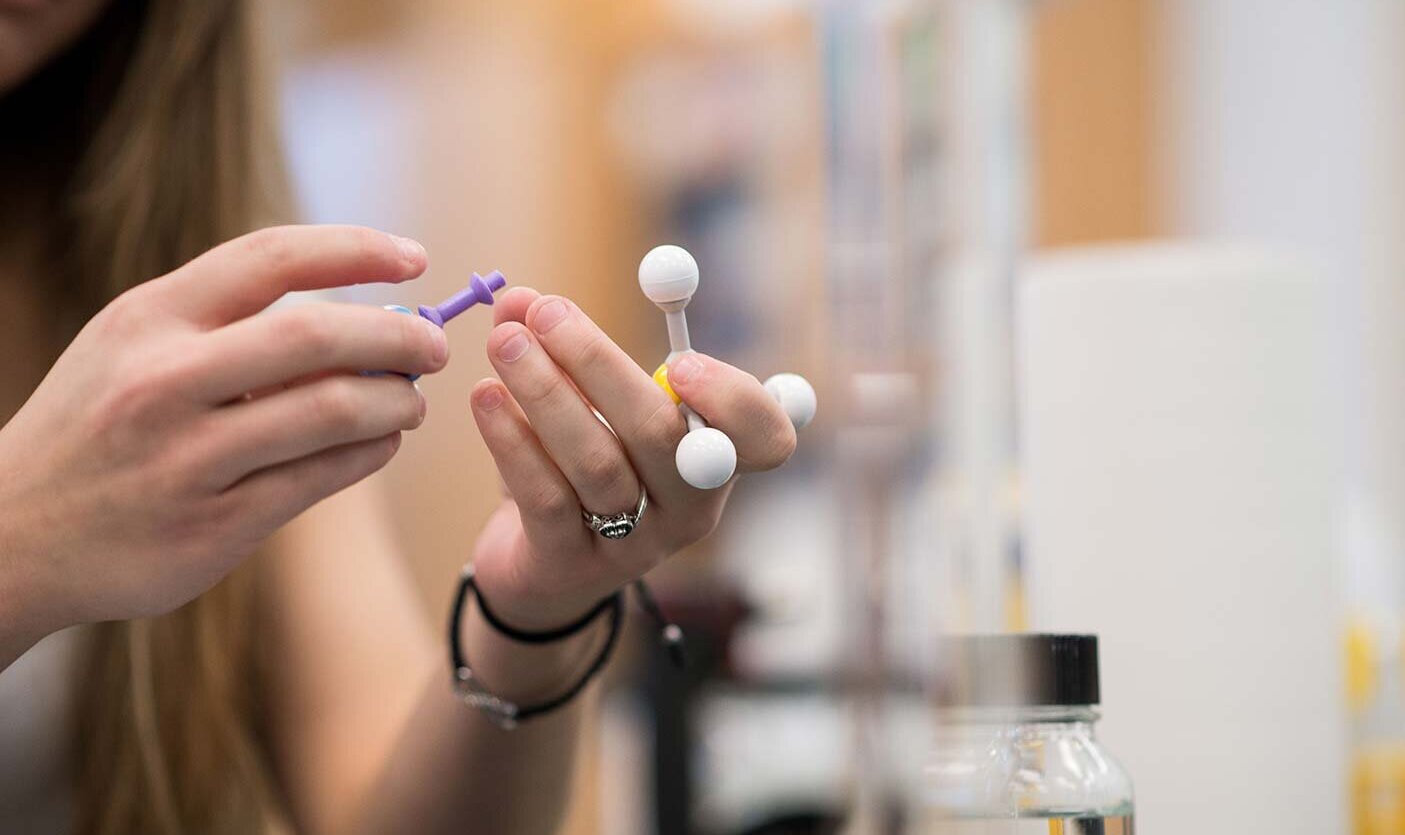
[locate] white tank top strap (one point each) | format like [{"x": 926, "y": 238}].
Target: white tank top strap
[{"x": 36, "y": 764}]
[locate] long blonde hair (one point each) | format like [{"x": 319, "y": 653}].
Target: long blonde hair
[{"x": 149, "y": 140}]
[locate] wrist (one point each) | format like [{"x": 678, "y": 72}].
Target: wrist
[
  {"x": 30, "y": 607},
  {"x": 529, "y": 672},
  {"x": 527, "y": 606}
]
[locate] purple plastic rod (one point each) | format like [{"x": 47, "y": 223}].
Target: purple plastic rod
[{"x": 480, "y": 290}]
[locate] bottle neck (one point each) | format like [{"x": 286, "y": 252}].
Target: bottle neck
[{"x": 1073, "y": 717}]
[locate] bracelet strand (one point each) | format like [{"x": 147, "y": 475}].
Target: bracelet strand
[{"x": 508, "y": 714}]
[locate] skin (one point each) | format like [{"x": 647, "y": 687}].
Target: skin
[{"x": 180, "y": 430}]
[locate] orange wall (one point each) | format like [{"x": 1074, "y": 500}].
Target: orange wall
[{"x": 1092, "y": 117}]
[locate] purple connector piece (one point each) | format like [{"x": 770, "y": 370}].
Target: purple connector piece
[{"x": 480, "y": 290}]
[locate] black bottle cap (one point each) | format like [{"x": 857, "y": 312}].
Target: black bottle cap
[{"x": 1019, "y": 670}]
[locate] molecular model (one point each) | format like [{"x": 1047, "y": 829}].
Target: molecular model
[{"x": 706, "y": 458}]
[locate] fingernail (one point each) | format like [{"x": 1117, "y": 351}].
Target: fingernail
[
  {"x": 424, "y": 404},
  {"x": 438, "y": 341},
  {"x": 410, "y": 249},
  {"x": 685, "y": 369},
  {"x": 550, "y": 315},
  {"x": 490, "y": 399},
  {"x": 513, "y": 349}
]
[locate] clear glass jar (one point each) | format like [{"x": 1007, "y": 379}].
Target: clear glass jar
[{"x": 1015, "y": 750}]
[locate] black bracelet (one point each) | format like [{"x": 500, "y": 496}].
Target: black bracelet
[
  {"x": 505, "y": 713},
  {"x": 523, "y": 636},
  {"x": 508, "y": 714}
]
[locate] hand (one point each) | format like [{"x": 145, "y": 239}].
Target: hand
[
  {"x": 179, "y": 429},
  {"x": 536, "y": 562}
]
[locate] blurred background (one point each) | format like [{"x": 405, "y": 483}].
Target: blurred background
[{"x": 1102, "y": 299}]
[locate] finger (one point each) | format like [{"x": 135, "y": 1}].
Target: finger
[
  {"x": 736, "y": 403},
  {"x": 306, "y": 419},
  {"x": 646, "y": 420},
  {"x": 512, "y": 305},
  {"x": 584, "y": 449},
  {"x": 550, "y": 510},
  {"x": 284, "y": 345},
  {"x": 246, "y": 275},
  {"x": 275, "y": 495}
]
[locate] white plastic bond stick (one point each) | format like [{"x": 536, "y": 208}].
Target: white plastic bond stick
[{"x": 678, "y": 341}]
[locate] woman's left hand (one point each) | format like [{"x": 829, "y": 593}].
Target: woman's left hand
[{"x": 537, "y": 562}]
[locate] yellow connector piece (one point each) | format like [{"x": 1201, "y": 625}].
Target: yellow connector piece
[{"x": 661, "y": 377}]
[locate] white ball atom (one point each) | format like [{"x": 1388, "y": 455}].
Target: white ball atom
[
  {"x": 668, "y": 274},
  {"x": 706, "y": 458},
  {"x": 796, "y": 396}
]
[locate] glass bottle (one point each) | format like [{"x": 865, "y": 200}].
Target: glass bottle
[{"x": 1015, "y": 749}]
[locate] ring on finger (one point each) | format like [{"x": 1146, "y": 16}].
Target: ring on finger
[{"x": 616, "y": 525}]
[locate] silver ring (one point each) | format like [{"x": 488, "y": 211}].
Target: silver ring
[{"x": 619, "y": 525}]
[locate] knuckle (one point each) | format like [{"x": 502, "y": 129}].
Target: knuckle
[
  {"x": 539, "y": 388},
  {"x": 271, "y": 246},
  {"x": 661, "y": 431},
  {"x": 200, "y": 465},
  {"x": 146, "y": 387},
  {"x": 594, "y": 349},
  {"x": 230, "y": 518},
  {"x": 336, "y": 405},
  {"x": 367, "y": 243},
  {"x": 127, "y": 304},
  {"x": 182, "y": 362},
  {"x": 118, "y": 412},
  {"x": 309, "y": 331},
  {"x": 603, "y": 472},
  {"x": 166, "y": 473},
  {"x": 135, "y": 394},
  {"x": 225, "y": 509},
  {"x": 125, "y": 315},
  {"x": 549, "y": 501}
]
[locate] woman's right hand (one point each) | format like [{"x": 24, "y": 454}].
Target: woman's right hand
[{"x": 179, "y": 429}]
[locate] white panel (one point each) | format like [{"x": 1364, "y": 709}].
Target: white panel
[
  {"x": 1285, "y": 124},
  {"x": 1181, "y": 473}
]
